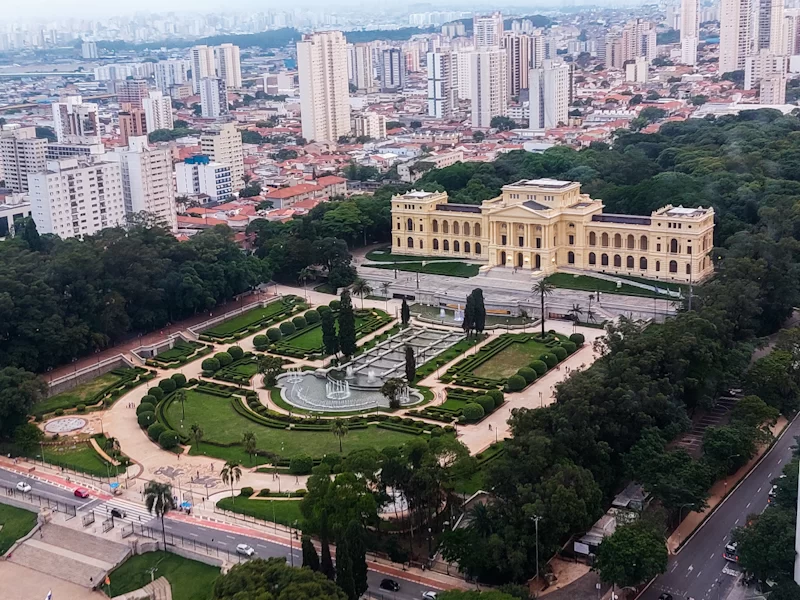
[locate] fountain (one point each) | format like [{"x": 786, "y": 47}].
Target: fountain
[
  {"x": 442, "y": 313},
  {"x": 371, "y": 376},
  {"x": 404, "y": 395},
  {"x": 336, "y": 389},
  {"x": 458, "y": 316},
  {"x": 294, "y": 375},
  {"x": 349, "y": 372}
]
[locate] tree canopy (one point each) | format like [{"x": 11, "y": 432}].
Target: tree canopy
[{"x": 273, "y": 579}]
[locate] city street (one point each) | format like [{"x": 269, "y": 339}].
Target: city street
[{"x": 698, "y": 571}]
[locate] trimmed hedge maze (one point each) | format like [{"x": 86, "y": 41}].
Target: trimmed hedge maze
[
  {"x": 253, "y": 320},
  {"x": 181, "y": 353},
  {"x": 545, "y": 354}
]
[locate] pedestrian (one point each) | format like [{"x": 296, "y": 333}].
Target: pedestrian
[{"x": 490, "y": 426}]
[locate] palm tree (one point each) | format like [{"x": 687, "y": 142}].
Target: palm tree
[
  {"x": 543, "y": 288},
  {"x": 575, "y": 312},
  {"x": 385, "y": 289},
  {"x": 197, "y": 434},
  {"x": 112, "y": 444},
  {"x": 180, "y": 396},
  {"x": 249, "y": 443},
  {"x": 362, "y": 288},
  {"x": 305, "y": 275},
  {"x": 159, "y": 500},
  {"x": 339, "y": 429},
  {"x": 231, "y": 473}
]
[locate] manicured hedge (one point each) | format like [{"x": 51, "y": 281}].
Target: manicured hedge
[
  {"x": 299, "y": 322},
  {"x": 550, "y": 359},
  {"x": 224, "y": 358},
  {"x": 577, "y": 338},
  {"x": 539, "y": 366},
  {"x": 261, "y": 342},
  {"x": 560, "y": 353},
  {"x": 168, "y": 439},
  {"x": 528, "y": 374},
  {"x": 312, "y": 316},
  {"x": 145, "y": 407},
  {"x": 236, "y": 352},
  {"x": 569, "y": 346},
  {"x": 486, "y": 402},
  {"x": 179, "y": 379},
  {"x": 516, "y": 383},
  {"x": 498, "y": 396},
  {"x": 146, "y": 419},
  {"x": 155, "y": 430},
  {"x": 168, "y": 385},
  {"x": 211, "y": 364},
  {"x": 301, "y": 465},
  {"x": 473, "y": 412}
]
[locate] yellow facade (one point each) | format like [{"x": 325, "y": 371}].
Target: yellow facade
[{"x": 544, "y": 225}]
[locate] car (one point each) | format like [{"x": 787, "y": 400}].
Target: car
[
  {"x": 773, "y": 492},
  {"x": 665, "y": 596},
  {"x": 390, "y": 584},
  {"x": 23, "y": 487},
  {"x": 118, "y": 513},
  {"x": 245, "y": 550},
  {"x": 81, "y": 492},
  {"x": 429, "y": 595}
]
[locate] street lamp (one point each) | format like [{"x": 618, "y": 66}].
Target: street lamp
[
  {"x": 536, "y": 519},
  {"x": 291, "y": 545}
]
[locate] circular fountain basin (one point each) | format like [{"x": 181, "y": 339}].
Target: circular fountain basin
[{"x": 65, "y": 425}]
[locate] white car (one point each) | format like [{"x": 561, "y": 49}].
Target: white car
[
  {"x": 23, "y": 487},
  {"x": 429, "y": 595},
  {"x": 245, "y": 549}
]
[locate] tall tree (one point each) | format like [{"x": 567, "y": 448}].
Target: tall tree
[
  {"x": 405, "y": 313},
  {"x": 411, "y": 364},
  {"x": 159, "y": 500},
  {"x": 542, "y": 288},
  {"x": 347, "y": 325},
  {"x": 468, "y": 324},
  {"x": 30, "y": 234},
  {"x": 358, "y": 556},
  {"x": 231, "y": 473},
  {"x": 344, "y": 568},
  {"x": 362, "y": 288},
  {"x": 272, "y": 578},
  {"x": 269, "y": 366},
  {"x": 632, "y": 555},
  {"x": 19, "y": 391},
  {"x": 329, "y": 337},
  {"x": 391, "y": 390},
  {"x": 766, "y": 544},
  {"x": 310, "y": 556},
  {"x": 326, "y": 563},
  {"x": 197, "y": 434},
  {"x": 249, "y": 443},
  {"x": 480, "y": 310},
  {"x": 339, "y": 430}
]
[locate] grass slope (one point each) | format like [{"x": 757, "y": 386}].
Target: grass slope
[
  {"x": 77, "y": 395},
  {"x": 189, "y": 579},
  {"x": 14, "y": 524},
  {"x": 284, "y": 512}
]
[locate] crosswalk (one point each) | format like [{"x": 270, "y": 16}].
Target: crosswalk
[{"x": 132, "y": 513}]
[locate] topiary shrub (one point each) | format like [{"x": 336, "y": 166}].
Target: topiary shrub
[
  {"x": 312, "y": 316},
  {"x": 528, "y": 374},
  {"x": 539, "y": 366},
  {"x": 570, "y": 347},
  {"x": 301, "y": 465},
  {"x": 486, "y": 402},
  {"x": 560, "y": 353},
  {"x": 148, "y": 399},
  {"x": 155, "y": 430},
  {"x": 300, "y": 493},
  {"x": 498, "y": 396},
  {"x": 288, "y": 328},
  {"x": 274, "y": 334},
  {"x": 472, "y": 412},
  {"x": 261, "y": 342},
  {"x": 247, "y": 492},
  {"x": 168, "y": 385},
  {"x": 577, "y": 338},
  {"x": 300, "y": 322},
  {"x": 323, "y": 309},
  {"x": 146, "y": 419},
  {"x": 516, "y": 383},
  {"x": 179, "y": 379},
  {"x": 157, "y": 393},
  {"x": 145, "y": 407},
  {"x": 167, "y": 439},
  {"x": 551, "y": 360},
  {"x": 224, "y": 358},
  {"x": 81, "y": 408},
  {"x": 59, "y": 412},
  {"x": 335, "y": 304},
  {"x": 192, "y": 381},
  {"x": 236, "y": 352}
]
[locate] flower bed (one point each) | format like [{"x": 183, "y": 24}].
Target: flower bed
[
  {"x": 253, "y": 320},
  {"x": 239, "y": 372}
]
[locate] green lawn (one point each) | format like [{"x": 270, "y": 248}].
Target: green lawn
[
  {"x": 222, "y": 424},
  {"x": 180, "y": 350},
  {"x": 284, "y": 512},
  {"x": 81, "y": 458},
  {"x": 83, "y": 394},
  {"x": 310, "y": 338},
  {"x": 189, "y": 579},
  {"x": 452, "y": 269},
  {"x": 432, "y": 312},
  {"x": 508, "y": 361},
  {"x": 593, "y": 284},
  {"x": 668, "y": 285},
  {"x": 245, "y": 320},
  {"x": 386, "y": 255},
  {"x": 14, "y": 523}
]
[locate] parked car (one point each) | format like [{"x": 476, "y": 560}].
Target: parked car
[
  {"x": 23, "y": 487},
  {"x": 245, "y": 550},
  {"x": 390, "y": 584},
  {"x": 118, "y": 513},
  {"x": 429, "y": 595},
  {"x": 665, "y": 596},
  {"x": 82, "y": 493}
]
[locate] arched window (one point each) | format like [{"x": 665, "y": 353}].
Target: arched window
[
  {"x": 477, "y": 246},
  {"x": 688, "y": 268},
  {"x": 446, "y": 246},
  {"x": 456, "y": 228},
  {"x": 617, "y": 240},
  {"x": 592, "y": 238},
  {"x": 617, "y": 260},
  {"x": 604, "y": 260},
  {"x": 503, "y": 259},
  {"x": 658, "y": 266},
  {"x": 410, "y": 225},
  {"x": 410, "y": 242},
  {"x": 673, "y": 246},
  {"x": 592, "y": 258},
  {"x": 398, "y": 242},
  {"x": 435, "y": 226},
  {"x": 673, "y": 266},
  {"x": 456, "y": 245},
  {"x": 643, "y": 264},
  {"x": 421, "y": 245},
  {"x": 629, "y": 262},
  {"x": 466, "y": 228},
  {"x": 538, "y": 261},
  {"x": 571, "y": 258},
  {"x": 604, "y": 240},
  {"x": 466, "y": 247},
  {"x": 435, "y": 244},
  {"x": 445, "y": 227},
  {"x": 477, "y": 230},
  {"x": 520, "y": 260},
  {"x": 420, "y": 227},
  {"x": 643, "y": 243},
  {"x": 631, "y": 243}
]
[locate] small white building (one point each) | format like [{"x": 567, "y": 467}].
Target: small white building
[{"x": 199, "y": 175}]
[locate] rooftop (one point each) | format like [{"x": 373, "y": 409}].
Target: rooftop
[
  {"x": 452, "y": 207},
  {"x": 417, "y": 194},
  {"x": 622, "y": 219},
  {"x": 535, "y": 205},
  {"x": 543, "y": 183},
  {"x": 680, "y": 211}
]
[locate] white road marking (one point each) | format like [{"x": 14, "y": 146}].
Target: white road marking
[
  {"x": 770, "y": 475},
  {"x": 223, "y": 544},
  {"x": 758, "y": 491},
  {"x": 735, "y": 523},
  {"x": 230, "y": 537},
  {"x": 261, "y": 545},
  {"x": 712, "y": 556},
  {"x": 689, "y": 570},
  {"x": 192, "y": 534}
]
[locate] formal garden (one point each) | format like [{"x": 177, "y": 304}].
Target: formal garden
[
  {"x": 181, "y": 353},
  {"x": 512, "y": 361},
  {"x": 462, "y": 406},
  {"x": 253, "y": 320}
]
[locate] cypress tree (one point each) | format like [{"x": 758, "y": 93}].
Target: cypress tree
[
  {"x": 347, "y": 326},
  {"x": 329, "y": 339},
  {"x": 344, "y": 569},
  {"x": 469, "y": 315},
  {"x": 358, "y": 556},
  {"x": 480, "y": 310},
  {"x": 405, "y": 313},
  {"x": 326, "y": 564},
  {"x": 411, "y": 364},
  {"x": 310, "y": 556}
]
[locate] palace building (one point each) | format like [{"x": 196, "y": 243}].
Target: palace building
[{"x": 544, "y": 225}]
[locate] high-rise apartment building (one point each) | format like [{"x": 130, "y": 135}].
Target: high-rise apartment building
[
  {"x": 228, "y": 65},
  {"x": 324, "y": 95},
  {"x": 519, "y": 52},
  {"x": 442, "y": 84},
  {"x": 464, "y": 73},
  {"x": 132, "y": 92},
  {"x": 89, "y": 50},
  {"x": 223, "y": 144},
  {"x": 637, "y": 71},
  {"x": 213, "y": 98},
  {"x": 393, "y": 70},
  {"x": 549, "y": 95},
  {"x": 132, "y": 123},
  {"x": 369, "y": 124},
  {"x": 360, "y": 71},
  {"x": 203, "y": 65},
  {"x": 770, "y": 26},
  {"x": 75, "y": 121},
  {"x": 690, "y": 36},
  {"x": 614, "y": 55},
  {"x": 488, "y": 79},
  {"x": 157, "y": 111},
  {"x": 761, "y": 65},
  {"x": 21, "y": 155},
  {"x": 77, "y": 196},
  {"x": 772, "y": 90},
  {"x": 170, "y": 73},
  {"x": 746, "y": 28},
  {"x": 487, "y": 30},
  {"x": 200, "y": 175},
  {"x": 147, "y": 180},
  {"x": 791, "y": 31},
  {"x": 638, "y": 40}
]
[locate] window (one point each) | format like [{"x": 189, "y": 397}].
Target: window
[
  {"x": 688, "y": 268},
  {"x": 466, "y": 228},
  {"x": 604, "y": 240},
  {"x": 629, "y": 262},
  {"x": 673, "y": 266},
  {"x": 592, "y": 238},
  {"x": 410, "y": 225},
  {"x": 617, "y": 240},
  {"x": 617, "y": 260},
  {"x": 643, "y": 243},
  {"x": 592, "y": 258},
  {"x": 410, "y": 242},
  {"x": 688, "y": 249},
  {"x": 477, "y": 230},
  {"x": 446, "y": 245},
  {"x": 643, "y": 264},
  {"x": 658, "y": 266},
  {"x": 538, "y": 242},
  {"x": 420, "y": 245},
  {"x": 520, "y": 241},
  {"x": 571, "y": 258},
  {"x": 456, "y": 246},
  {"x": 658, "y": 247},
  {"x": 571, "y": 239},
  {"x": 456, "y": 228},
  {"x": 673, "y": 246},
  {"x": 503, "y": 240},
  {"x": 398, "y": 242},
  {"x": 604, "y": 260},
  {"x": 631, "y": 243},
  {"x": 435, "y": 244},
  {"x": 445, "y": 227}
]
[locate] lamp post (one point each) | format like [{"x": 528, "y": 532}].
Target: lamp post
[
  {"x": 536, "y": 521},
  {"x": 291, "y": 544}
]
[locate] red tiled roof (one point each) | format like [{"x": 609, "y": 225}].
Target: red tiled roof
[
  {"x": 295, "y": 190},
  {"x": 199, "y": 221},
  {"x": 331, "y": 180}
]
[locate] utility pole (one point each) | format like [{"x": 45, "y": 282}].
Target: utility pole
[
  {"x": 536, "y": 521},
  {"x": 797, "y": 539}
]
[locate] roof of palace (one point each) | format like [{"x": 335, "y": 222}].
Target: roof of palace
[
  {"x": 535, "y": 205},
  {"x": 452, "y": 207},
  {"x": 623, "y": 219}
]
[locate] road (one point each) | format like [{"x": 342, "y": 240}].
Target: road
[
  {"x": 209, "y": 536},
  {"x": 698, "y": 571}
]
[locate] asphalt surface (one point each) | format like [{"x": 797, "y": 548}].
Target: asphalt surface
[
  {"x": 698, "y": 571},
  {"x": 223, "y": 541}
]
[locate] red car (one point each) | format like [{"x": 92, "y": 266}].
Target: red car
[{"x": 82, "y": 493}]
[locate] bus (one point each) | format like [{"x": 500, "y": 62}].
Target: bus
[{"x": 730, "y": 552}]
